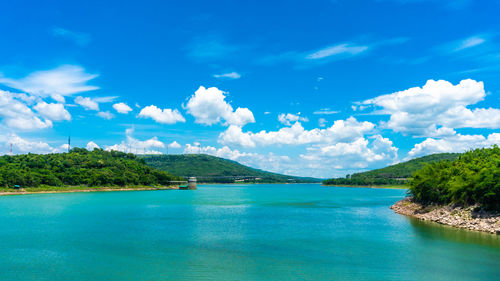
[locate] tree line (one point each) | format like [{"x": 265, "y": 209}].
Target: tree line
[
  {"x": 79, "y": 167},
  {"x": 397, "y": 174}
]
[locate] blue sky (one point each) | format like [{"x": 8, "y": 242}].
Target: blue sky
[{"x": 311, "y": 88}]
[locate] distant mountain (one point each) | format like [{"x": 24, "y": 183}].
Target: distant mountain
[
  {"x": 211, "y": 169},
  {"x": 391, "y": 175}
]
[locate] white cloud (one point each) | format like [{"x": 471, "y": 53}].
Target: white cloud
[
  {"x": 105, "y": 115},
  {"x": 341, "y": 130},
  {"x": 456, "y": 143},
  {"x": 21, "y": 146},
  {"x": 208, "y": 106},
  {"x": 337, "y": 50},
  {"x": 289, "y": 118},
  {"x": 174, "y": 144},
  {"x": 91, "y": 146},
  {"x": 59, "y": 82},
  {"x": 133, "y": 145},
  {"x": 229, "y": 75},
  {"x": 165, "y": 116},
  {"x": 52, "y": 111},
  {"x": 358, "y": 154},
  {"x": 105, "y": 99},
  {"x": 269, "y": 162},
  {"x": 436, "y": 108},
  {"x": 87, "y": 103},
  {"x": 320, "y": 160},
  {"x": 16, "y": 114},
  {"x": 28, "y": 123},
  {"x": 325, "y": 111},
  {"x": 470, "y": 42},
  {"x": 122, "y": 108}
]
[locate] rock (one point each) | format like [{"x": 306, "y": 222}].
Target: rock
[{"x": 455, "y": 216}]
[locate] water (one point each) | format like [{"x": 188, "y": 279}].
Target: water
[{"x": 238, "y": 232}]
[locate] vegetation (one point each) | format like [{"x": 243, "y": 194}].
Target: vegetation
[
  {"x": 211, "y": 169},
  {"x": 79, "y": 167},
  {"x": 398, "y": 174},
  {"x": 473, "y": 178}
]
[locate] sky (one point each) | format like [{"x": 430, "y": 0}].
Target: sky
[{"x": 309, "y": 88}]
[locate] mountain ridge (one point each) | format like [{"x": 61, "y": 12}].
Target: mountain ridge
[
  {"x": 212, "y": 169},
  {"x": 397, "y": 174}
]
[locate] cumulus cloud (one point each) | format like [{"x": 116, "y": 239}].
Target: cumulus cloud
[
  {"x": 21, "y": 145},
  {"x": 122, "y": 108},
  {"x": 341, "y": 130},
  {"x": 57, "y": 83},
  {"x": 165, "y": 116},
  {"x": 87, "y": 103},
  {"x": 133, "y": 145},
  {"x": 209, "y": 107},
  {"x": 269, "y": 162},
  {"x": 289, "y": 118},
  {"x": 105, "y": 115},
  {"x": 52, "y": 111},
  {"x": 358, "y": 154},
  {"x": 229, "y": 75},
  {"x": 91, "y": 146},
  {"x": 456, "y": 143},
  {"x": 436, "y": 109},
  {"x": 16, "y": 114},
  {"x": 174, "y": 144}
]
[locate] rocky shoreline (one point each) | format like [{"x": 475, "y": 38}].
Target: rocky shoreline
[{"x": 460, "y": 217}]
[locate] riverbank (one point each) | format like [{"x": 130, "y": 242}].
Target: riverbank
[
  {"x": 460, "y": 217},
  {"x": 69, "y": 189}
]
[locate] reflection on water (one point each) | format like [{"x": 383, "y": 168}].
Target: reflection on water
[{"x": 435, "y": 230}]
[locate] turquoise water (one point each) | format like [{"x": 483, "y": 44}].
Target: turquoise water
[{"x": 239, "y": 232}]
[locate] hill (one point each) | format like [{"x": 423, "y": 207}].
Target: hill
[
  {"x": 473, "y": 178},
  {"x": 79, "y": 167},
  {"x": 211, "y": 169},
  {"x": 392, "y": 175}
]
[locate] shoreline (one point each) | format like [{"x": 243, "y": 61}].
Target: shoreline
[
  {"x": 368, "y": 186},
  {"x": 458, "y": 217},
  {"x": 79, "y": 189}
]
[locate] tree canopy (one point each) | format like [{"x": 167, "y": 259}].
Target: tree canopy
[
  {"x": 473, "y": 178},
  {"x": 79, "y": 167}
]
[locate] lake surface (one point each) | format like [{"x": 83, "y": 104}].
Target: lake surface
[{"x": 234, "y": 232}]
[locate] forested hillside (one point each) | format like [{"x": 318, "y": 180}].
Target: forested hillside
[
  {"x": 211, "y": 169},
  {"x": 79, "y": 167},
  {"x": 391, "y": 175},
  {"x": 473, "y": 178}
]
